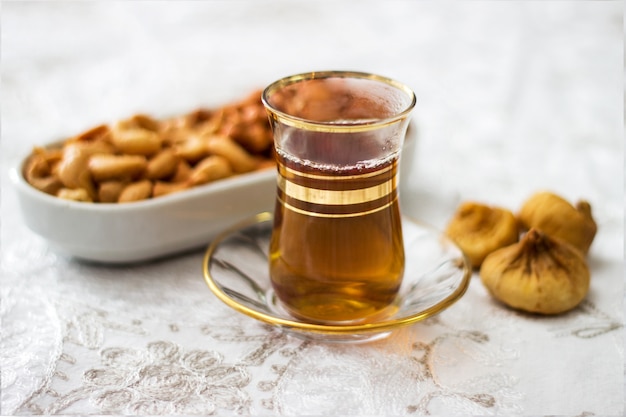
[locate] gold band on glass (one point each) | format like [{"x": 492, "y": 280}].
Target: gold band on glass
[
  {"x": 335, "y": 197},
  {"x": 336, "y": 215},
  {"x": 283, "y": 170}
]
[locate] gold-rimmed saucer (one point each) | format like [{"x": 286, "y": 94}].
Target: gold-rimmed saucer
[{"x": 236, "y": 270}]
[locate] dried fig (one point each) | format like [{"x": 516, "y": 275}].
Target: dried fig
[
  {"x": 540, "y": 274},
  {"x": 479, "y": 229},
  {"x": 557, "y": 217}
]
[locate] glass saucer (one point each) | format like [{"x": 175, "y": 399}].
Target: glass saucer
[{"x": 236, "y": 269}]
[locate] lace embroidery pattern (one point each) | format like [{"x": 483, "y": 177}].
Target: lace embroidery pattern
[
  {"x": 590, "y": 322},
  {"x": 29, "y": 348},
  {"x": 416, "y": 381},
  {"x": 158, "y": 376},
  {"x": 163, "y": 377},
  {"x": 115, "y": 359}
]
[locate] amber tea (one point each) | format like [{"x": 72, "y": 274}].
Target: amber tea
[
  {"x": 349, "y": 221},
  {"x": 336, "y": 252}
]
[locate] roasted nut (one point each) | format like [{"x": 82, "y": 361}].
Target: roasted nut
[
  {"x": 182, "y": 173},
  {"x": 138, "y": 121},
  {"x": 95, "y": 148},
  {"x": 162, "y": 165},
  {"x": 209, "y": 127},
  {"x": 172, "y": 153},
  {"x": 540, "y": 274},
  {"x": 193, "y": 149},
  {"x": 177, "y": 129},
  {"x": 75, "y": 194},
  {"x": 49, "y": 185},
  {"x": 100, "y": 133},
  {"x": 479, "y": 229},
  {"x": 197, "y": 117},
  {"x": 49, "y": 158},
  {"x": 211, "y": 168},
  {"x": 116, "y": 167},
  {"x": 136, "y": 191},
  {"x": 240, "y": 160},
  {"x": 266, "y": 164},
  {"x": 161, "y": 188},
  {"x": 109, "y": 191},
  {"x": 557, "y": 217},
  {"x": 72, "y": 169},
  {"x": 173, "y": 136},
  {"x": 38, "y": 170},
  {"x": 137, "y": 141},
  {"x": 255, "y": 138},
  {"x": 253, "y": 113}
]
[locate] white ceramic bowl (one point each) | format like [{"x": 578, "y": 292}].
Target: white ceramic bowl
[
  {"x": 149, "y": 229},
  {"x": 144, "y": 230}
]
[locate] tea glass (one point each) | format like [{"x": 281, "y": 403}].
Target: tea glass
[{"x": 336, "y": 250}]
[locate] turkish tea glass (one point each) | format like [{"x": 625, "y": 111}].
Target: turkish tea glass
[{"x": 336, "y": 251}]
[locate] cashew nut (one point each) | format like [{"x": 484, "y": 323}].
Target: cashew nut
[
  {"x": 75, "y": 194},
  {"x": 162, "y": 165},
  {"x": 97, "y": 147},
  {"x": 72, "y": 169},
  {"x": 138, "y": 121},
  {"x": 240, "y": 160},
  {"x": 136, "y": 191},
  {"x": 38, "y": 170},
  {"x": 137, "y": 141},
  {"x": 182, "y": 172},
  {"x": 193, "y": 149},
  {"x": 211, "y": 168},
  {"x": 95, "y": 134},
  {"x": 111, "y": 162},
  {"x": 162, "y": 188},
  {"x": 109, "y": 191},
  {"x": 105, "y": 167}
]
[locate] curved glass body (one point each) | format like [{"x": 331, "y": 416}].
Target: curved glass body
[{"x": 336, "y": 252}]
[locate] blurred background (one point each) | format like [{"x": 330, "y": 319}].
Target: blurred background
[{"x": 502, "y": 87}]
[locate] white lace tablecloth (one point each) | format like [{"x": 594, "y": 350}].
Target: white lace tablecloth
[{"x": 513, "y": 97}]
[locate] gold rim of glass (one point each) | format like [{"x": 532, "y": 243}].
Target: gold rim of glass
[
  {"x": 333, "y": 127},
  {"x": 381, "y": 326}
]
